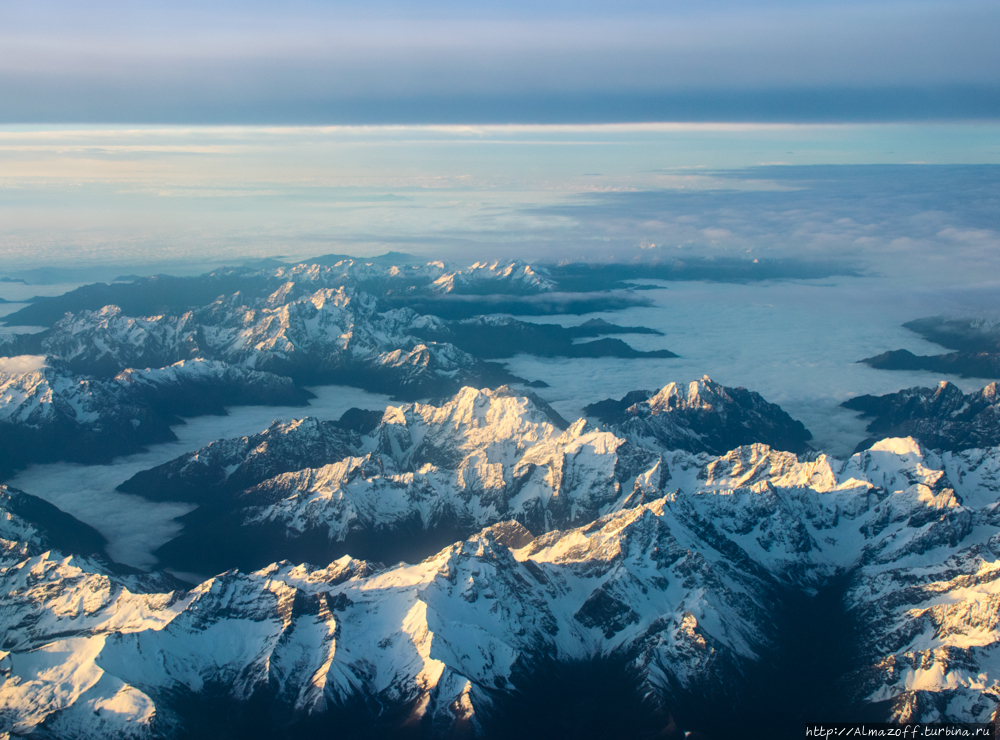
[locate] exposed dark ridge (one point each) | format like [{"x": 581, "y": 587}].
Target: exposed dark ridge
[
  {"x": 387, "y": 380},
  {"x": 214, "y": 474},
  {"x": 496, "y": 338},
  {"x": 963, "y": 364},
  {"x": 361, "y": 421},
  {"x": 610, "y": 411},
  {"x": 940, "y": 418},
  {"x": 804, "y": 680},
  {"x": 595, "y": 327},
  {"x": 962, "y": 335},
  {"x": 598, "y": 698},
  {"x": 976, "y": 345},
  {"x": 198, "y": 397},
  {"x": 21, "y": 445},
  {"x": 719, "y": 420},
  {"x": 544, "y": 304},
  {"x": 213, "y": 714},
  {"x": 390, "y": 258},
  {"x": 67, "y": 535},
  {"x": 131, "y": 411},
  {"x": 59, "y": 530},
  {"x": 144, "y": 297},
  {"x": 216, "y": 540},
  {"x": 21, "y": 344},
  {"x": 584, "y": 276}
]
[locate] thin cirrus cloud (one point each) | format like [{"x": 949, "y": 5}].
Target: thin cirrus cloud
[{"x": 395, "y": 62}]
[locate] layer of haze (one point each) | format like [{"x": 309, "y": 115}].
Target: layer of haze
[{"x": 916, "y": 200}]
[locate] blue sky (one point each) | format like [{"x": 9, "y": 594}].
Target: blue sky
[{"x": 502, "y": 62}]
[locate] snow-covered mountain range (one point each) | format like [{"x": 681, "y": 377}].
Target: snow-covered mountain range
[
  {"x": 427, "y": 475},
  {"x": 264, "y": 334},
  {"x": 191, "y": 346},
  {"x": 50, "y": 413},
  {"x": 329, "y": 335},
  {"x": 687, "y": 589},
  {"x": 687, "y": 576},
  {"x": 467, "y": 562}
]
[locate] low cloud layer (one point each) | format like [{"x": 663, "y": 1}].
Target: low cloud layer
[
  {"x": 924, "y": 223},
  {"x": 180, "y": 200},
  {"x": 21, "y": 364}
]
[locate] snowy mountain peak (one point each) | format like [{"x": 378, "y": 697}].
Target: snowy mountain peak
[
  {"x": 702, "y": 416},
  {"x": 499, "y": 276},
  {"x": 942, "y": 417},
  {"x": 503, "y": 412},
  {"x": 701, "y": 393}
]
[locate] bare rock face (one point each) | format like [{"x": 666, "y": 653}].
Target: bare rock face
[{"x": 49, "y": 413}]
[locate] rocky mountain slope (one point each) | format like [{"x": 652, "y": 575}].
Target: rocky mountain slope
[
  {"x": 701, "y": 417},
  {"x": 942, "y": 418},
  {"x": 689, "y": 591},
  {"x": 30, "y": 526},
  {"x": 227, "y": 466},
  {"x": 427, "y": 475},
  {"x": 49, "y": 413},
  {"x": 976, "y": 345}
]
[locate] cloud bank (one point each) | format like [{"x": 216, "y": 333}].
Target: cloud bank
[{"x": 142, "y": 199}]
